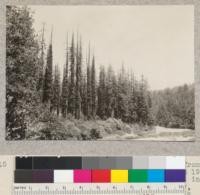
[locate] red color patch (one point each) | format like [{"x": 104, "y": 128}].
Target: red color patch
[{"x": 101, "y": 176}]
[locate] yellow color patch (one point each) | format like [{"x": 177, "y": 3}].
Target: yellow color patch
[{"x": 119, "y": 176}]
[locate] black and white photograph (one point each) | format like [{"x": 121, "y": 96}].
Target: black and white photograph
[{"x": 99, "y": 73}]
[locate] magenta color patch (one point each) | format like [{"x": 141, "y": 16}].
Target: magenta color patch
[{"x": 82, "y": 176}]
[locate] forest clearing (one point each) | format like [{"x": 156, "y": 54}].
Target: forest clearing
[
  {"x": 111, "y": 129},
  {"x": 81, "y": 99}
]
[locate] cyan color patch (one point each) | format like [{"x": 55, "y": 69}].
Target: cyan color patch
[{"x": 156, "y": 175}]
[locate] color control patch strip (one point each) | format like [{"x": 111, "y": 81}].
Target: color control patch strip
[{"x": 100, "y": 169}]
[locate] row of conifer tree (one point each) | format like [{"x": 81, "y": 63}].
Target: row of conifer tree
[{"x": 84, "y": 94}]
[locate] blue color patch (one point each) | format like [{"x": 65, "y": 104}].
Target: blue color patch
[{"x": 156, "y": 175}]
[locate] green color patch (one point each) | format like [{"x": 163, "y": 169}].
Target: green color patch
[{"x": 137, "y": 176}]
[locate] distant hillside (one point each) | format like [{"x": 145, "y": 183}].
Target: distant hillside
[{"x": 174, "y": 107}]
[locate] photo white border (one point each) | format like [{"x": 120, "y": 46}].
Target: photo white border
[{"x": 98, "y": 148}]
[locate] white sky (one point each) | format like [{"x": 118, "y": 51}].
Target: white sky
[{"x": 156, "y": 41}]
